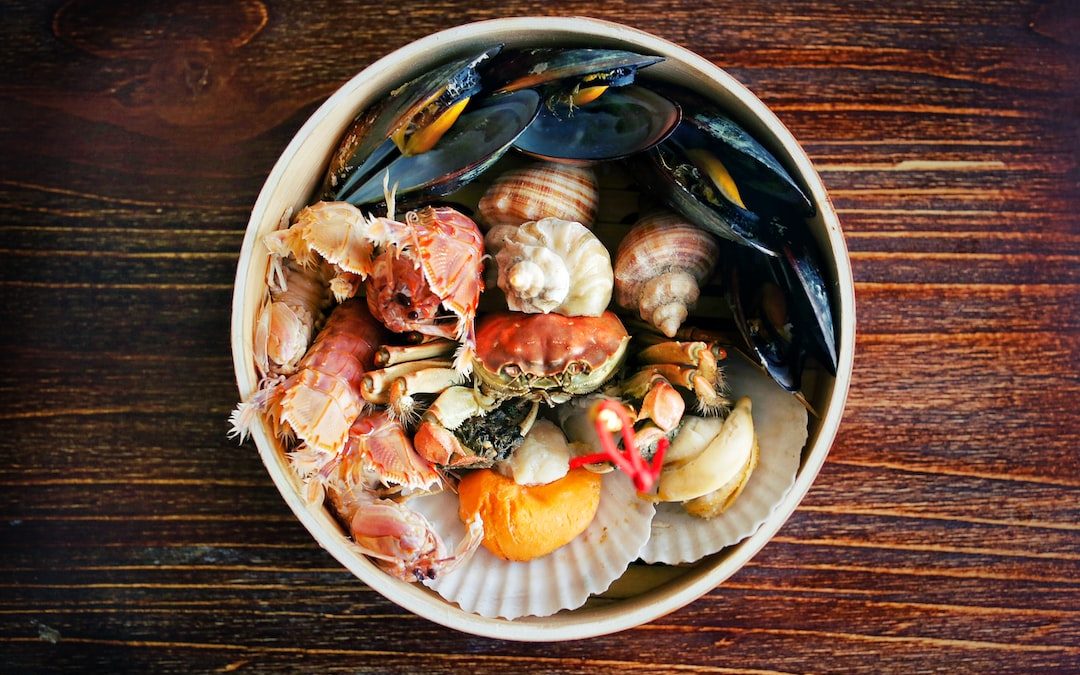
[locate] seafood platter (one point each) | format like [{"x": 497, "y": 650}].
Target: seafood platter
[{"x": 546, "y": 314}]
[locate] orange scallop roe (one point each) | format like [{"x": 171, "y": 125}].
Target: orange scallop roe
[{"x": 523, "y": 522}]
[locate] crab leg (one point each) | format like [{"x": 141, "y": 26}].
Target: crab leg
[
  {"x": 706, "y": 391},
  {"x": 390, "y": 355},
  {"x": 659, "y": 400},
  {"x": 426, "y": 381},
  {"x": 682, "y": 353},
  {"x": 376, "y": 386}
]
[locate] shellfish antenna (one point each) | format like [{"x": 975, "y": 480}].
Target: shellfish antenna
[{"x": 389, "y": 194}]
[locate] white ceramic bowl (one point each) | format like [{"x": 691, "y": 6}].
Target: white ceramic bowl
[{"x": 298, "y": 174}]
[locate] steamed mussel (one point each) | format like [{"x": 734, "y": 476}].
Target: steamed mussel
[
  {"x": 590, "y": 113},
  {"x": 715, "y": 173},
  {"x": 445, "y": 128},
  {"x": 781, "y": 307}
]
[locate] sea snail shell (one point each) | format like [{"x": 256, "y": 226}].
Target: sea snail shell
[
  {"x": 541, "y": 190},
  {"x": 553, "y": 265},
  {"x": 660, "y": 266}
]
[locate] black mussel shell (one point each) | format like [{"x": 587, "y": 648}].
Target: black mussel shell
[
  {"x": 366, "y": 147},
  {"x": 761, "y": 309},
  {"x": 667, "y": 170},
  {"x": 802, "y": 275},
  {"x": 781, "y": 306},
  {"x": 476, "y": 141},
  {"x": 764, "y": 184},
  {"x": 620, "y": 123},
  {"x": 530, "y": 68}
]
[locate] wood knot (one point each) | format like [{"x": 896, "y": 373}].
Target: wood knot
[{"x": 144, "y": 30}]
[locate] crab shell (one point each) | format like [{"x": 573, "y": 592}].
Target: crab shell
[
  {"x": 547, "y": 356},
  {"x": 434, "y": 260}
]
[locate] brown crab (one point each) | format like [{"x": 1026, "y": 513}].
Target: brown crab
[{"x": 520, "y": 358}]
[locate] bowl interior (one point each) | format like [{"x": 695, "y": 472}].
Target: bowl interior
[{"x": 651, "y": 592}]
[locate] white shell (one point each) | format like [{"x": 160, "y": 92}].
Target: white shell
[
  {"x": 552, "y": 265},
  {"x": 780, "y": 422},
  {"x": 542, "y": 190},
  {"x": 491, "y": 587}
]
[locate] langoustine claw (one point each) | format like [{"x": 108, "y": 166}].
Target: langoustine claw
[{"x": 402, "y": 542}]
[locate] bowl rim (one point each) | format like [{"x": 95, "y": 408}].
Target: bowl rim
[{"x": 626, "y": 613}]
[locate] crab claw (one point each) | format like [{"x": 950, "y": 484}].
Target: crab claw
[{"x": 661, "y": 402}]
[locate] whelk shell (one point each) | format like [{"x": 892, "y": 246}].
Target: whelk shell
[
  {"x": 660, "y": 266},
  {"x": 541, "y": 190}
]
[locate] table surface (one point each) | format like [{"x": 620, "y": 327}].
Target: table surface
[{"x": 941, "y": 534}]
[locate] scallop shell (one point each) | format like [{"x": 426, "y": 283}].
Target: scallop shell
[
  {"x": 660, "y": 266},
  {"x": 493, "y": 587},
  {"x": 541, "y": 190},
  {"x": 552, "y": 265},
  {"x": 780, "y": 424}
]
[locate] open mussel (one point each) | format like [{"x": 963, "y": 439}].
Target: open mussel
[
  {"x": 567, "y": 76},
  {"x": 418, "y": 118},
  {"x": 781, "y": 307},
  {"x": 590, "y": 114},
  {"x": 478, "y": 139},
  {"x": 715, "y": 173}
]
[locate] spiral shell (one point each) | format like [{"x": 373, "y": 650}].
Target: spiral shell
[
  {"x": 660, "y": 266},
  {"x": 541, "y": 190},
  {"x": 553, "y": 265}
]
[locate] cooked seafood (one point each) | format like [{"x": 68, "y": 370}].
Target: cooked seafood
[
  {"x": 543, "y": 457},
  {"x": 660, "y": 267},
  {"x": 541, "y": 190},
  {"x": 320, "y": 402},
  {"x": 411, "y": 395},
  {"x": 285, "y": 326},
  {"x": 428, "y": 277},
  {"x": 526, "y": 522},
  {"x": 553, "y": 265},
  {"x": 707, "y": 467},
  {"x": 401, "y": 541},
  {"x": 547, "y": 357}
]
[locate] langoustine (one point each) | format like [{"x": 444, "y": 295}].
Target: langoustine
[
  {"x": 286, "y": 322},
  {"x": 377, "y": 457},
  {"x": 335, "y": 232},
  {"x": 427, "y": 275},
  {"x": 320, "y": 402},
  {"x": 402, "y": 542}
]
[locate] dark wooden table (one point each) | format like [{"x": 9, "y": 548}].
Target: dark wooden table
[{"x": 942, "y": 534}]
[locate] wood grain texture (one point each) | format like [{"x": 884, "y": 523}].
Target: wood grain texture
[{"x": 941, "y": 536}]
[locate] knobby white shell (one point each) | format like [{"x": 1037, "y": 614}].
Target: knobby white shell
[
  {"x": 659, "y": 268},
  {"x": 552, "y": 265},
  {"x": 542, "y": 190},
  {"x": 780, "y": 424},
  {"x": 491, "y": 587}
]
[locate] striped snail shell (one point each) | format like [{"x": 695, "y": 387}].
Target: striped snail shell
[
  {"x": 541, "y": 190},
  {"x": 660, "y": 266}
]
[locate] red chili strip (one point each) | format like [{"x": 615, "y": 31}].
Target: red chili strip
[{"x": 629, "y": 461}]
